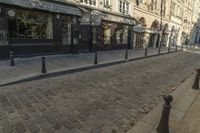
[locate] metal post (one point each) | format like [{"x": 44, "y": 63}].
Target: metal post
[
  {"x": 159, "y": 49},
  {"x": 196, "y": 81},
  {"x": 163, "y": 126},
  {"x": 12, "y": 62},
  {"x": 96, "y": 58},
  {"x": 43, "y": 66},
  {"x": 168, "y": 48},
  {"x": 182, "y": 47},
  {"x": 126, "y": 55},
  {"x": 176, "y": 48},
  {"x": 146, "y": 50}
]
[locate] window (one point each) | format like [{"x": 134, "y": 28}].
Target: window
[
  {"x": 66, "y": 30},
  {"x": 123, "y": 7},
  {"x": 89, "y": 2},
  {"x": 29, "y": 25},
  {"x": 107, "y": 4}
]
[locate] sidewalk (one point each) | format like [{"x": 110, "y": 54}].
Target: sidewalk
[
  {"x": 31, "y": 67},
  {"x": 190, "y": 123},
  {"x": 180, "y": 121}
]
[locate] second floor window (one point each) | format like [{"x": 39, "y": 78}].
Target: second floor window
[
  {"x": 124, "y": 7},
  {"x": 89, "y": 2},
  {"x": 107, "y": 4}
]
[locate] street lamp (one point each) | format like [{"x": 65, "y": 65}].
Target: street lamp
[{"x": 161, "y": 18}]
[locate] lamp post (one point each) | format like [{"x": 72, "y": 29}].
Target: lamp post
[{"x": 161, "y": 19}]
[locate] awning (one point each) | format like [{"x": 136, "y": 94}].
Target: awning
[
  {"x": 98, "y": 16},
  {"x": 119, "y": 19},
  {"x": 42, "y": 5}
]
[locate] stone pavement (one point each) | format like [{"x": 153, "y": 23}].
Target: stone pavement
[
  {"x": 190, "y": 122},
  {"x": 27, "y": 67},
  {"x": 105, "y": 100}
]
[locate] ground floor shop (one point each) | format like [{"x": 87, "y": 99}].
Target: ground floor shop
[
  {"x": 105, "y": 31},
  {"x": 38, "y": 29},
  {"x": 29, "y": 28}
]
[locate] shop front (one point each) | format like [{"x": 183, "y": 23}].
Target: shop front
[
  {"x": 106, "y": 31},
  {"x": 32, "y": 27},
  {"x": 115, "y": 32}
]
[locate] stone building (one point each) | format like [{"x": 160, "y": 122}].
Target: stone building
[
  {"x": 195, "y": 34},
  {"x": 155, "y": 16},
  {"x": 174, "y": 19},
  {"x": 30, "y": 27},
  {"x": 108, "y": 22}
]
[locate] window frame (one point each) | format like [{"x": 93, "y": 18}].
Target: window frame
[
  {"x": 88, "y": 2},
  {"x": 124, "y": 7}
]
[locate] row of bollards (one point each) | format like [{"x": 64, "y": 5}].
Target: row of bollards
[
  {"x": 43, "y": 70},
  {"x": 12, "y": 62}
]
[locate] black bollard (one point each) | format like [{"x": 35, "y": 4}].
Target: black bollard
[
  {"x": 163, "y": 126},
  {"x": 182, "y": 47},
  {"x": 196, "y": 81},
  {"x": 43, "y": 66},
  {"x": 96, "y": 58},
  {"x": 159, "y": 49},
  {"x": 146, "y": 50},
  {"x": 176, "y": 48},
  {"x": 12, "y": 62},
  {"x": 168, "y": 48},
  {"x": 126, "y": 54}
]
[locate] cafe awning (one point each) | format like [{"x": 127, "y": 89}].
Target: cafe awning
[
  {"x": 43, "y": 5},
  {"x": 98, "y": 16}
]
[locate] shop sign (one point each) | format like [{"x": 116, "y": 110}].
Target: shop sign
[
  {"x": 118, "y": 19},
  {"x": 37, "y": 4}
]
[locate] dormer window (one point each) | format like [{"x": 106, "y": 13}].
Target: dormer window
[{"x": 89, "y": 2}]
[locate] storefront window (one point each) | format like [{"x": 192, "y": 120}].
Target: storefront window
[
  {"x": 29, "y": 25},
  {"x": 115, "y": 33},
  {"x": 66, "y": 30}
]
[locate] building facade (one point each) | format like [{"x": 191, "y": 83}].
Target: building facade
[
  {"x": 64, "y": 26},
  {"x": 30, "y": 27},
  {"x": 108, "y": 23},
  {"x": 175, "y": 19}
]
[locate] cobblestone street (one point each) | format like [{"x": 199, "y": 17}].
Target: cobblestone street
[{"x": 106, "y": 100}]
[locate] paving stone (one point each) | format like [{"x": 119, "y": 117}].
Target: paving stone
[
  {"x": 47, "y": 128},
  {"x": 7, "y": 128},
  {"x": 49, "y": 117},
  {"x": 34, "y": 128},
  {"x": 20, "y": 128}
]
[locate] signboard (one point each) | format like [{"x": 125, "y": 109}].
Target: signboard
[
  {"x": 118, "y": 19},
  {"x": 42, "y": 5}
]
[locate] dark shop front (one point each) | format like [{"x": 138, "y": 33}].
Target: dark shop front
[
  {"x": 101, "y": 30},
  {"x": 37, "y": 27}
]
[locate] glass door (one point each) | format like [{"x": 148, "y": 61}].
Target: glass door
[{"x": 3, "y": 29}]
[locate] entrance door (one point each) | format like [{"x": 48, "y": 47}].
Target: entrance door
[
  {"x": 85, "y": 40},
  {"x": 3, "y": 32}
]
